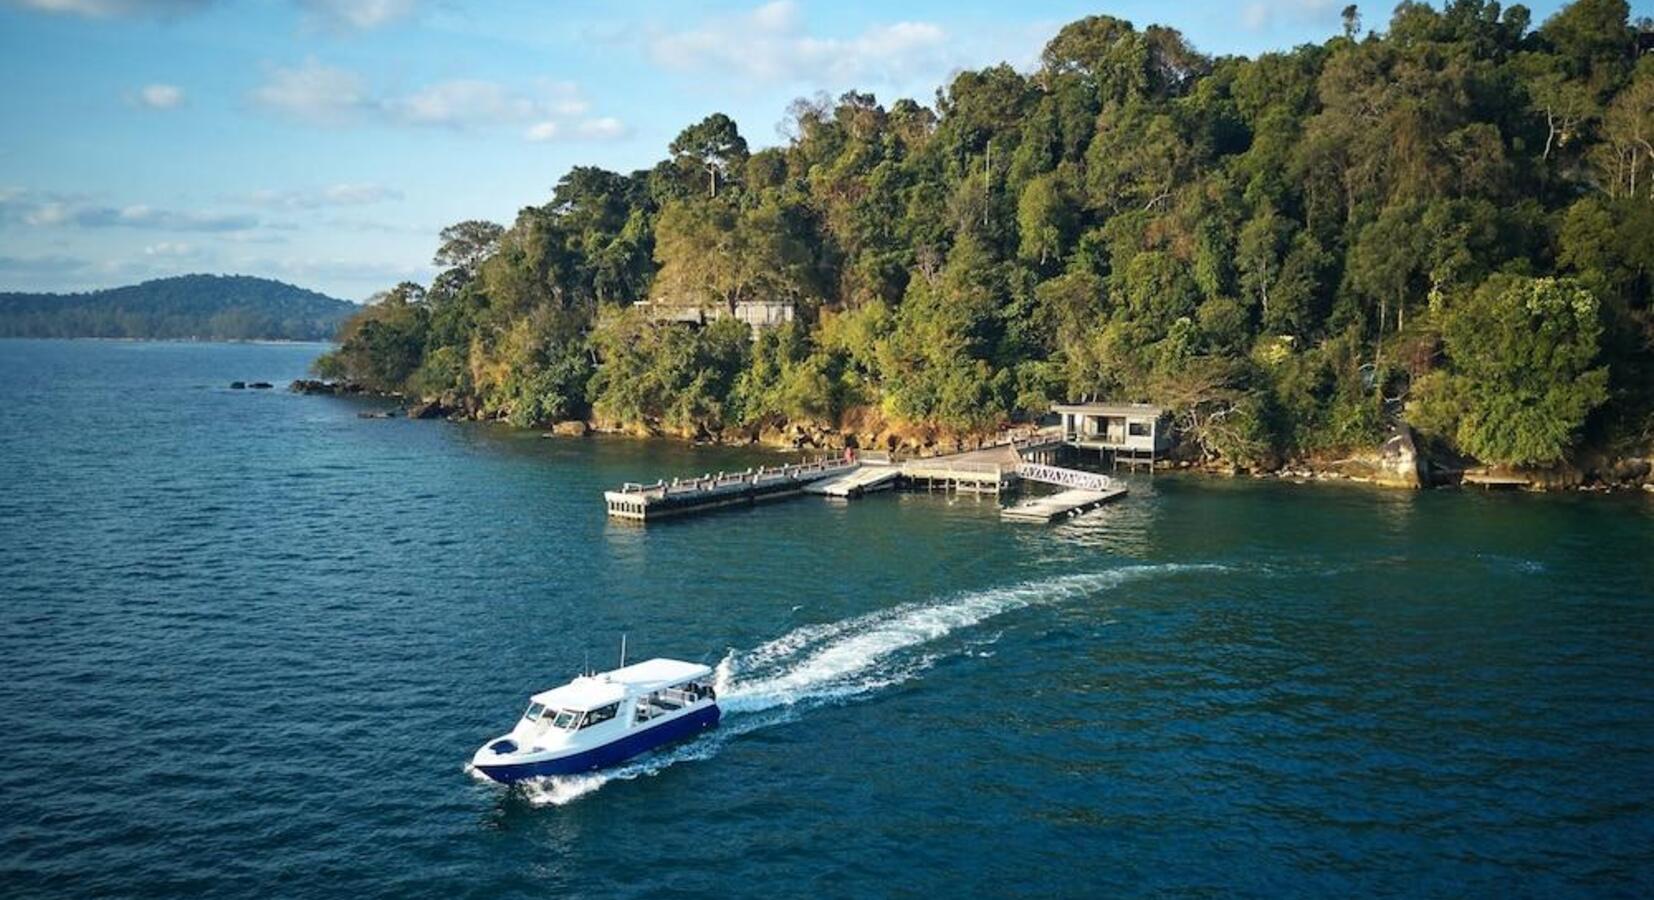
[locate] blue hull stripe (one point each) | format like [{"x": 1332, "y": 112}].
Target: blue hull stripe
[{"x": 608, "y": 754}]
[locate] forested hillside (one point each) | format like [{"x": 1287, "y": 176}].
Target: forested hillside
[
  {"x": 1448, "y": 219},
  {"x": 199, "y": 307}
]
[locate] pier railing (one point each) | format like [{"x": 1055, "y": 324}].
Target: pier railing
[
  {"x": 1070, "y": 478},
  {"x": 807, "y": 471},
  {"x": 942, "y": 467}
]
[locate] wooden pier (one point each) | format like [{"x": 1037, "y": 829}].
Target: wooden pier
[
  {"x": 647, "y": 502},
  {"x": 993, "y": 470},
  {"x": 964, "y": 476}
]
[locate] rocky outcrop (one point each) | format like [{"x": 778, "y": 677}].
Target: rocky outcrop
[
  {"x": 325, "y": 388},
  {"x": 261, "y": 385},
  {"x": 571, "y": 428},
  {"x": 1399, "y": 463},
  {"x": 238, "y": 385},
  {"x": 427, "y": 409}
]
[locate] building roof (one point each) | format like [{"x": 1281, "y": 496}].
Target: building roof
[
  {"x": 1110, "y": 409},
  {"x": 592, "y": 691}
]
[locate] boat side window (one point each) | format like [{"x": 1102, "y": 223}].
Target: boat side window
[
  {"x": 600, "y": 714},
  {"x": 534, "y": 711}
]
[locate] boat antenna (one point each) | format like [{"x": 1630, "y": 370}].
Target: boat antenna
[
  {"x": 586, "y": 661},
  {"x": 623, "y": 650}
]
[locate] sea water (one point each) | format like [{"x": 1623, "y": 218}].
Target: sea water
[{"x": 248, "y": 641}]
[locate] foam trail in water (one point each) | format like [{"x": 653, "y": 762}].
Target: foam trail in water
[{"x": 836, "y": 661}]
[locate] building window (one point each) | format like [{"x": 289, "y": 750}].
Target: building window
[{"x": 1137, "y": 429}]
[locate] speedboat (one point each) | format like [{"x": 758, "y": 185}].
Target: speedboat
[{"x": 601, "y": 719}]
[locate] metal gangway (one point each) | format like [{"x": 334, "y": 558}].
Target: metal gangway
[{"x": 1068, "y": 478}]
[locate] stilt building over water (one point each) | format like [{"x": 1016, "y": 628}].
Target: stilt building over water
[{"x": 1129, "y": 434}]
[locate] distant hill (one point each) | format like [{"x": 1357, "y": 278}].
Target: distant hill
[{"x": 201, "y": 307}]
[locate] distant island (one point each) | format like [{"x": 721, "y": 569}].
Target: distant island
[{"x": 190, "y": 307}]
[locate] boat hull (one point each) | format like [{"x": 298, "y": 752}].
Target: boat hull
[{"x": 612, "y": 753}]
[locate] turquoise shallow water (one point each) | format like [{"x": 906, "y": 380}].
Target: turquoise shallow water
[{"x": 248, "y": 640}]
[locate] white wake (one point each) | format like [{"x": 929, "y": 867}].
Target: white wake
[{"x": 835, "y": 662}]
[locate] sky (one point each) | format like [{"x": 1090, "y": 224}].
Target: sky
[{"x": 326, "y": 142}]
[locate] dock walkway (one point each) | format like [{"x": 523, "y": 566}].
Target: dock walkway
[
  {"x": 645, "y": 502},
  {"x": 959, "y": 475},
  {"x": 1084, "y": 492},
  {"x": 865, "y": 479},
  {"x": 993, "y": 469},
  {"x": 1072, "y": 502}
]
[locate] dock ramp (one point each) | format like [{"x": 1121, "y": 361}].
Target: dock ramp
[
  {"x": 1083, "y": 492},
  {"x": 864, "y": 480}
]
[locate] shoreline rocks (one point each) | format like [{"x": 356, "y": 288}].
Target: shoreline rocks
[
  {"x": 1398, "y": 463},
  {"x": 326, "y": 388},
  {"x": 427, "y": 409}
]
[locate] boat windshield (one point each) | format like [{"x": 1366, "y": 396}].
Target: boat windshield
[
  {"x": 534, "y": 711},
  {"x": 566, "y": 718}
]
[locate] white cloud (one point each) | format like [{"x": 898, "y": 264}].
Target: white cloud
[
  {"x": 64, "y": 211},
  {"x": 110, "y": 9},
  {"x": 771, "y": 43},
  {"x": 142, "y": 216},
  {"x": 542, "y": 131},
  {"x": 161, "y": 96},
  {"x": 346, "y": 194},
  {"x": 337, "y": 275},
  {"x": 171, "y": 250},
  {"x": 358, "y": 194},
  {"x": 356, "y": 15},
  {"x": 607, "y": 128},
  {"x": 315, "y": 92},
  {"x": 328, "y": 95},
  {"x": 460, "y": 103},
  {"x": 1261, "y": 14},
  {"x": 333, "y": 15},
  {"x": 470, "y": 102}
]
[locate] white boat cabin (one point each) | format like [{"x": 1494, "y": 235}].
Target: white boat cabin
[{"x": 634, "y": 694}]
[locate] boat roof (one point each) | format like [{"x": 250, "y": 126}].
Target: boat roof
[{"x": 592, "y": 691}]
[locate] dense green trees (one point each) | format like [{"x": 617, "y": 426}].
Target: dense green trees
[
  {"x": 1440, "y": 222},
  {"x": 1525, "y": 369}
]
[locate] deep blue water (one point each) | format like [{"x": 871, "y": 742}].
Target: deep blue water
[{"x": 249, "y": 640}]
